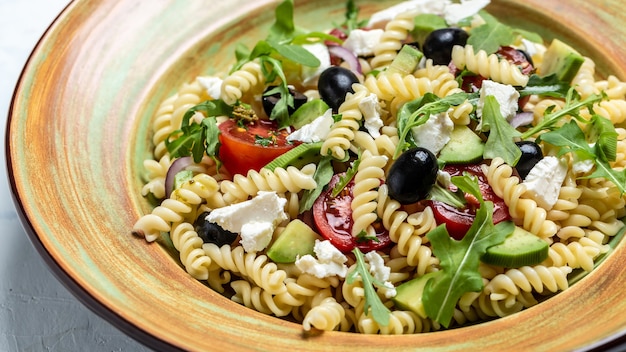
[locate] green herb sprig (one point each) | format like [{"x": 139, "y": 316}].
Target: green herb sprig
[
  {"x": 196, "y": 139},
  {"x": 572, "y": 107},
  {"x": 418, "y": 111},
  {"x": 459, "y": 259},
  {"x": 601, "y": 148},
  {"x": 373, "y": 303}
]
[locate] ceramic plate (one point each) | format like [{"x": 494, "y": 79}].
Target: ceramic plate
[{"x": 79, "y": 130}]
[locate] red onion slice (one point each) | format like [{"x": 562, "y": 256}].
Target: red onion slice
[
  {"x": 178, "y": 165},
  {"x": 347, "y": 56},
  {"x": 521, "y": 119}
]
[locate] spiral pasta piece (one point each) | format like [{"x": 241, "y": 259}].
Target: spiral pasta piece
[
  {"x": 343, "y": 131},
  {"x": 526, "y": 212},
  {"x": 257, "y": 298},
  {"x": 396, "y": 32},
  {"x": 409, "y": 241},
  {"x": 397, "y": 86},
  {"x": 248, "y": 78},
  {"x": 488, "y": 66},
  {"x": 257, "y": 268},
  {"x": 327, "y": 315},
  {"x": 178, "y": 207},
  {"x": 189, "y": 246},
  {"x": 280, "y": 181},
  {"x": 368, "y": 178},
  {"x": 537, "y": 278}
]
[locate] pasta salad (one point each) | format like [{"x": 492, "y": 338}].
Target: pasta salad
[{"x": 418, "y": 170}]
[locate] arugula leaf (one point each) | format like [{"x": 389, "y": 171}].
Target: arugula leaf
[
  {"x": 501, "y": 134},
  {"x": 571, "y": 138},
  {"x": 491, "y": 35},
  {"x": 322, "y": 176},
  {"x": 572, "y": 107},
  {"x": 444, "y": 195},
  {"x": 349, "y": 175},
  {"x": 280, "y": 44},
  {"x": 196, "y": 139},
  {"x": 418, "y": 111},
  {"x": 283, "y": 28},
  {"x": 548, "y": 86},
  {"x": 604, "y": 133},
  {"x": 459, "y": 260},
  {"x": 373, "y": 304}
]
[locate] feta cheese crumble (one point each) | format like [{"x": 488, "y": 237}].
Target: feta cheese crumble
[
  {"x": 506, "y": 95},
  {"x": 434, "y": 134},
  {"x": 320, "y": 51},
  {"x": 315, "y": 131},
  {"x": 380, "y": 272},
  {"x": 212, "y": 85},
  {"x": 370, "y": 108},
  {"x": 544, "y": 181},
  {"x": 361, "y": 42},
  {"x": 328, "y": 261},
  {"x": 254, "y": 219},
  {"x": 380, "y": 18},
  {"x": 454, "y": 13}
]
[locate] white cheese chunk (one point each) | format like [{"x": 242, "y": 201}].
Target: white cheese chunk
[
  {"x": 370, "y": 107},
  {"x": 328, "y": 261},
  {"x": 311, "y": 74},
  {"x": 361, "y": 42},
  {"x": 380, "y": 272},
  {"x": 315, "y": 131},
  {"x": 212, "y": 85},
  {"x": 436, "y": 7},
  {"x": 582, "y": 167},
  {"x": 254, "y": 219},
  {"x": 505, "y": 94},
  {"x": 434, "y": 134},
  {"x": 543, "y": 182},
  {"x": 455, "y": 12}
]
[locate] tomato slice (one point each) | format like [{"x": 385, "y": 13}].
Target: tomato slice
[
  {"x": 251, "y": 146},
  {"x": 458, "y": 221},
  {"x": 333, "y": 220}
]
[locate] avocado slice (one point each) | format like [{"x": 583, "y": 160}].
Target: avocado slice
[
  {"x": 308, "y": 112},
  {"x": 297, "y": 239},
  {"x": 406, "y": 61},
  {"x": 409, "y": 294},
  {"x": 299, "y": 156},
  {"x": 521, "y": 248},
  {"x": 464, "y": 147},
  {"x": 182, "y": 177},
  {"x": 562, "y": 60}
]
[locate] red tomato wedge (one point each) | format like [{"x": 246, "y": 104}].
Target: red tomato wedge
[
  {"x": 333, "y": 220},
  {"x": 458, "y": 221},
  {"x": 252, "y": 146}
]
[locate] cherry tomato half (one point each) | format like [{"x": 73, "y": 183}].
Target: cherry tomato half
[
  {"x": 333, "y": 219},
  {"x": 458, "y": 221},
  {"x": 251, "y": 146}
]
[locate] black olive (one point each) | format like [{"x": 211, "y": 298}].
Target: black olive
[
  {"x": 211, "y": 232},
  {"x": 269, "y": 101},
  {"x": 333, "y": 85},
  {"x": 531, "y": 154},
  {"x": 412, "y": 175},
  {"x": 527, "y": 56},
  {"x": 438, "y": 44}
]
